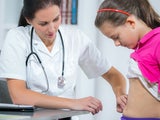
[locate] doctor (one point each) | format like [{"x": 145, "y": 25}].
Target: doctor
[{"x": 40, "y": 58}]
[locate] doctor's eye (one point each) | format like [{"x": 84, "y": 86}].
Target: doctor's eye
[
  {"x": 56, "y": 19},
  {"x": 43, "y": 23}
]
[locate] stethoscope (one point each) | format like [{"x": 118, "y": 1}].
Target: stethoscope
[{"x": 61, "y": 79}]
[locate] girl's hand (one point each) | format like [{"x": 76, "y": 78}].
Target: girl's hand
[{"x": 121, "y": 103}]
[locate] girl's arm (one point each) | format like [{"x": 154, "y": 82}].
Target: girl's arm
[{"x": 118, "y": 83}]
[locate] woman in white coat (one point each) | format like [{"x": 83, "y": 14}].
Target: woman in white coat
[{"x": 39, "y": 60}]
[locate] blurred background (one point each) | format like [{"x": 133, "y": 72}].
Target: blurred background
[{"x": 118, "y": 56}]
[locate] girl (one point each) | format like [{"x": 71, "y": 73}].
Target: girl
[{"x": 135, "y": 25}]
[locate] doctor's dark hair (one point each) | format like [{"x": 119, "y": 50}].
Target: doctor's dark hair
[
  {"x": 30, "y": 7},
  {"x": 142, "y": 9}
]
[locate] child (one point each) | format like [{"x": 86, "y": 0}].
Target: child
[{"x": 134, "y": 24}]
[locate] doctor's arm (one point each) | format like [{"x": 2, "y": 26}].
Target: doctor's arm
[
  {"x": 21, "y": 95},
  {"x": 118, "y": 83}
]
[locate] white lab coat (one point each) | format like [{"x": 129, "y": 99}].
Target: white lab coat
[{"x": 79, "y": 51}]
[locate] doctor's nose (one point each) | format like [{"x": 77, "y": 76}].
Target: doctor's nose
[{"x": 51, "y": 27}]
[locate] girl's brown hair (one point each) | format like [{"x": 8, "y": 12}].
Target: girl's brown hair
[{"x": 142, "y": 9}]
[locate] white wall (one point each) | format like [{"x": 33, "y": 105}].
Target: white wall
[
  {"x": 10, "y": 11},
  {"x": 119, "y": 58},
  {"x": 99, "y": 87},
  {"x": 86, "y": 16},
  {"x": 1, "y": 22}
]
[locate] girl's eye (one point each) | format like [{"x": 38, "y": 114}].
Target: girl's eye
[{"x": 115, "y": 37}]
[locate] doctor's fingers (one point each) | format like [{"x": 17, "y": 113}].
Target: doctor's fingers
[
  {"x": 94, "y": 108},
  {"x": 93, "y": 105}
]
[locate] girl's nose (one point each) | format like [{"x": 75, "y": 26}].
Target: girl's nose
[{"x": 117, "y": 43}]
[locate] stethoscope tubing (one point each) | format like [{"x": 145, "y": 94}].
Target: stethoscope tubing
[
  {"x": 63, "y": 50},
  {"x": 39, "y": 60}
]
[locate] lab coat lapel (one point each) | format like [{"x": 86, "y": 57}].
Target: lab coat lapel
[{"x": 40, "y": 46}]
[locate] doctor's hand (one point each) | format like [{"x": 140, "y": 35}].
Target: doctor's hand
[
  {"x": 90, "y": 104},
  {"x": 121, "y": 103}
]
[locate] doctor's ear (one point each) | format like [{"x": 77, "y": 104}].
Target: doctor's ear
[{"x": 28, "y": 21}]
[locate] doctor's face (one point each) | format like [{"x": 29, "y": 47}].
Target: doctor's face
[{"x": 46, "y": 22}]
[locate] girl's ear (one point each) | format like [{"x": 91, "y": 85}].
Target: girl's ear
[{"x": 131, "y": 21}]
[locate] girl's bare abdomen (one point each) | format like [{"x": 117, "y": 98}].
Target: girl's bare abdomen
[{"x": 140, "y": 102}]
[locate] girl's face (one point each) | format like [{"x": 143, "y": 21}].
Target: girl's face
[
  {"x": 46, "y": 22},
  {"x": 125, "y": 35}
]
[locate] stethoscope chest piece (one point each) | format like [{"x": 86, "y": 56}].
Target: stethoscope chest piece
[{"x": 61, "y": 82}]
